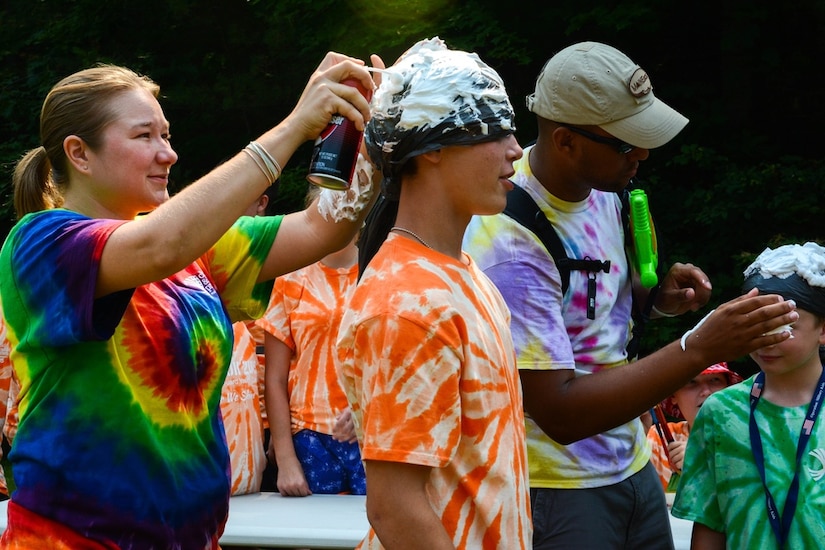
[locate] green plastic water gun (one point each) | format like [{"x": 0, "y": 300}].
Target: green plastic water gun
[{"x": 644, "y": 238}]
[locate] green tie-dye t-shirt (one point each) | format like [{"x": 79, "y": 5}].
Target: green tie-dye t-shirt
[{"x": 720, "y": 485}]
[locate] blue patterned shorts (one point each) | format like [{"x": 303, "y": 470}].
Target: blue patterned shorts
[{"x": 330, "y": 466}]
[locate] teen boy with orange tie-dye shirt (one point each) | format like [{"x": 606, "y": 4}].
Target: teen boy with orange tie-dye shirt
[{"x": 425, "y": 351}]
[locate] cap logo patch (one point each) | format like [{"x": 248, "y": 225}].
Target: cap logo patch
[{"x": 640, "y": 83}]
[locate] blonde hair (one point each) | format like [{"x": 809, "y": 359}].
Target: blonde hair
[
  {"x": 77, "y": 105},
  {"x": 312, "y": 193}
]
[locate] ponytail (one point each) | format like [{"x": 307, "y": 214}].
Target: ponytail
[
  {"x": 381, "y": 218},
  {"x": 34, "y": 189}
]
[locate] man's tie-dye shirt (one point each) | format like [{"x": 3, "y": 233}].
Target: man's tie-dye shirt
[{"x": 552, "y": 331}]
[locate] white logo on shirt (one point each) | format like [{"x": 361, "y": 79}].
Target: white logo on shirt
[
  {"x": 199, "y": 280},
  {"x": 817, "y": 474}
]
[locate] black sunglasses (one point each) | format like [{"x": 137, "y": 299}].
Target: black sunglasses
[{"x": 622, "y": 147}]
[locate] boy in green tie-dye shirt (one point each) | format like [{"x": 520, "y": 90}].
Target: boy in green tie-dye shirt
[{"x": 755, "y": 459}]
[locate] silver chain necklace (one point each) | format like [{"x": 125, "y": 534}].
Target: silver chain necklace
[{"x": 410, "y": 233}]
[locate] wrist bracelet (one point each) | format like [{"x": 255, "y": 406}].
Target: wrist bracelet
[
  {"x": 266, "y": 162},
  {"x": 661, "y": 313}
]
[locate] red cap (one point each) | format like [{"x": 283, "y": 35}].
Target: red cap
[
  {"x": 722, "y": 367},
  {"x": 672, "y": 409}
]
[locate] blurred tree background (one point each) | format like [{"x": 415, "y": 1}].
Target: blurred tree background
[{"x": 746, "y": 172}]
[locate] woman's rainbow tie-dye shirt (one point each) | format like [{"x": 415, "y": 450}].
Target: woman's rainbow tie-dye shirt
[{"x": 120, "y": 435}]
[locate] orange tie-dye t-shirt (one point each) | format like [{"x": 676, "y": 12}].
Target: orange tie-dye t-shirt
[
  {"x": 5, "y": 386},
  {"x": 427, "y": 362},
  {"x": 658, "y": 455},
  {"x": 241, "y": 410},
  {"x": 258, "y": 337},
  {"x": 304, "y": 313}
]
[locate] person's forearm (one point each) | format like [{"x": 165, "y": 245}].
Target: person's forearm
[
  {"x": 280, "y": 427},
  {"x": 570, "y": 408},
  {"x": 591, "y": 404},
  {"x": 276, "y": 393},
  {"x": 325, "y": 226},
  {"x": 183, "y": 228},
  {"x": 291, "y": 480}
]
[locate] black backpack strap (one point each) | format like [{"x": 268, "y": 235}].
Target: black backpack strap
[{"x": 523, "y": 209}]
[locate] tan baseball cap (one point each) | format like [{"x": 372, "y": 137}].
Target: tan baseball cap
[{"x": 590, "y": 83}]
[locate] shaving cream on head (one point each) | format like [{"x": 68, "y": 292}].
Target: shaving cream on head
[
  {"x": 795, "y": 272},
  {"x": 807, "y": 261},
  {"x": 432, "y": 85},
  {"x": 434, "y": 97}
]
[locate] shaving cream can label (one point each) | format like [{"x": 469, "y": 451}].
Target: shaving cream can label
[{"x": 335, "y": 152}]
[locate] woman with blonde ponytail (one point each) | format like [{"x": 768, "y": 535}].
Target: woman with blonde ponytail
[{"x": 119, "y": 304}]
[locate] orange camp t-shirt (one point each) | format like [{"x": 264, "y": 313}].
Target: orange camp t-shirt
[
  {"x": 5, "y": 386},
  {"x": 241, "y": 410},
  {"x": 304, "y": 313},
  {"x": 429, "y": 368}
]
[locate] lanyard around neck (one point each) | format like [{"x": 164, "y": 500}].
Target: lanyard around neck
[{"x": 782, "y": 525}]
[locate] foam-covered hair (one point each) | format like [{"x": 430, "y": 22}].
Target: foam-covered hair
[
  {"x": 796, "y": 272},
  {"x": 434, "y": 97}
]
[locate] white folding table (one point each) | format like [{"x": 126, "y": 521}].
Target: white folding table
[
  {"x": 316, "y": 521},
  {"x": 268, "y": 520}
]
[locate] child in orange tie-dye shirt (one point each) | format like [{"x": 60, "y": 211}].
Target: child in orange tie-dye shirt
[
  {"x": 241, "y": 411},
  {"x": 425, "y": 350},
  {"x": 5, "y": 387},
  {"x": 303, "y": 395},
  {"x": 683, "y": 406}
]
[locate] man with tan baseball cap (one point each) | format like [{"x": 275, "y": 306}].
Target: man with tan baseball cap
[
  {"x": 591, "y": 481},
  {"x": 593, "y": 84}
]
